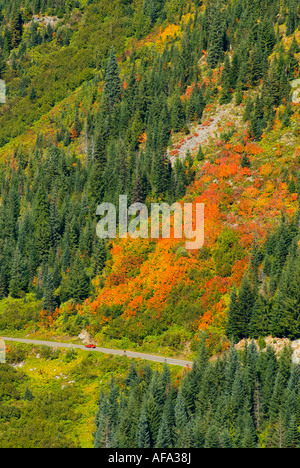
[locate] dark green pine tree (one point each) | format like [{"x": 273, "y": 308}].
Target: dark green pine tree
[
  {"x": 113, "y": 400},
  {"x": 164, "y": 437},
  {"x": 16, "y": 28},
  {"x": 292, "y": 436},
  {"x": 177, "y": 114},
  {"x": 142, "y": 432},
  {"x": 161, "y": 173},
  {"x": 200, "y": 155},
  {"x": 225, "y": 439},
  {"x": 28, "y": 395},
  {"x": 249, "y": 437},
  {"x": 102, "y": 435},
  {"x": 19, "y": 280},
  {"x": 240, "y": 311},
  {"x": 33, "y": 35},
  {"x": 97, "y": 171},
  {"x": 79, "y": 282},
  {"x": 226, "y": 94},
  {"x": 99, "y": 256},
  {"x": 292, "y": 18},
  {"x": 286, "y": 309},
  {"x": 41, "y": 222},
  {"x": 54, "y": 222},
  {"x": 215, "y": 52},
  {"x": 137, "y": 193},
  {"x": 245, "y": 161},
  {"x": 154, "y": 417},
  {"x": 258, "y": 121},
  {"x": 3, "y": 65},
  {"x": 195, "y": 105},
  {"x": 49, "y": 300},
  {"x": 4, "y": 279},
  {"x": 212, "y": 437},
  {"x": 245, "y": 304},
  {"x": 232, "y": 329},
  {"x": 112, "y": 82},
  {"x": 181, "y": 415},
  {"x": 260, "y": 320}
]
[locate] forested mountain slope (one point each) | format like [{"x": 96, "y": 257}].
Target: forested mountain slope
[{"x": 99, "y": 95}]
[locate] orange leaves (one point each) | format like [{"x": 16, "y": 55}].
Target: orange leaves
[
  {"x": 239, "y": 149},
  {"x": 143, "y": 278},
  {"x": 238, "y": 270},
  {"x": 74, "y": 134},
  {"x": 223, "y": 168},
  {"x": 251, "y": 192},
  {"x": 133, "y": 307},
  {"x": 205, "y": 321},
  {"x": 228, "y": 170},
  {"x": 143, "y": 138},
  {"x": 252, "y": 148}
]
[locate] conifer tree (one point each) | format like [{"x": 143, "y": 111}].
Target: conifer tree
[
  {"x": 177, "y": 114},
  {"x": 232, "y": 329},
  {"x": 3, "y": 64},
  {"x": 226, "y": 94},
  {"x": 41, "y": 221},
  {"x": 164, "y": 438},
  {"x": 79, "y": 282},
  {"x": 18, "y": 280},
  {"x": 142, "y": 432},
  {"x": 112, "y": 82},
  {"x": 16, "y": 28},
  {"x": 212, "y": 437},
  {"x": 49, "y": 301},
  {"x": 28, "y": 395}
]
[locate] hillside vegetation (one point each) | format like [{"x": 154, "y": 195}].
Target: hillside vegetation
[
  {"x": 100, "y": 118},
  {"x": 162, "y": 101}
]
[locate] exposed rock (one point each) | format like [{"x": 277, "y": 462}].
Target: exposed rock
[
  {"x": 277, "y": 344},
  {"x": 85, "y": 337}
]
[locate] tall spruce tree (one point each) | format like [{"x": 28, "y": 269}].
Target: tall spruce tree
[
  {"x": 79, "y": 282},
  {"x": 112, "y": 82}
]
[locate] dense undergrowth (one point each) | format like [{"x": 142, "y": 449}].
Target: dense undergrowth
[{"x": 100, "y": 95}]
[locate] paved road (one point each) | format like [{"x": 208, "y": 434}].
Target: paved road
[{"x": 117, "y": 352}]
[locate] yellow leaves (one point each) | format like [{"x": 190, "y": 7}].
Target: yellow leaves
[
  {"x": 269, "y": 187},
  {"x": 170, "y": 32},
  {"x": 251, "y": 192},
  {"x": 266, "y": 169}
]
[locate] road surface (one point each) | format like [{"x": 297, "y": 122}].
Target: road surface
[{"x": 116, "y": 352}]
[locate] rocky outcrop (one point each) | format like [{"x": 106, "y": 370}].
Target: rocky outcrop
[{"x": 277, "y": 344}]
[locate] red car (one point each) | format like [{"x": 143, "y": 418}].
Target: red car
[{"x": 90, "y": 346}]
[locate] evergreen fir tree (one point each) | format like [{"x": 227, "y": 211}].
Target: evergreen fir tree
[
  {"x": 3, "y": 64},
  {"x": 232, "y": 328},
  {"x": 112, "y": 82},
  {"x": 164, "y": 438},
  {"x": 142, "y": 432},
  {"x": 28, "y": 395},
  {"x": 226, "y": 94},
  {"x": 49, "y": 301},
  {"x": 79, "y": 282},
  {"x": 212, "y": 437},
  {"x": 177, "y": 114},
  {"x": 16, "y": 28}
]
